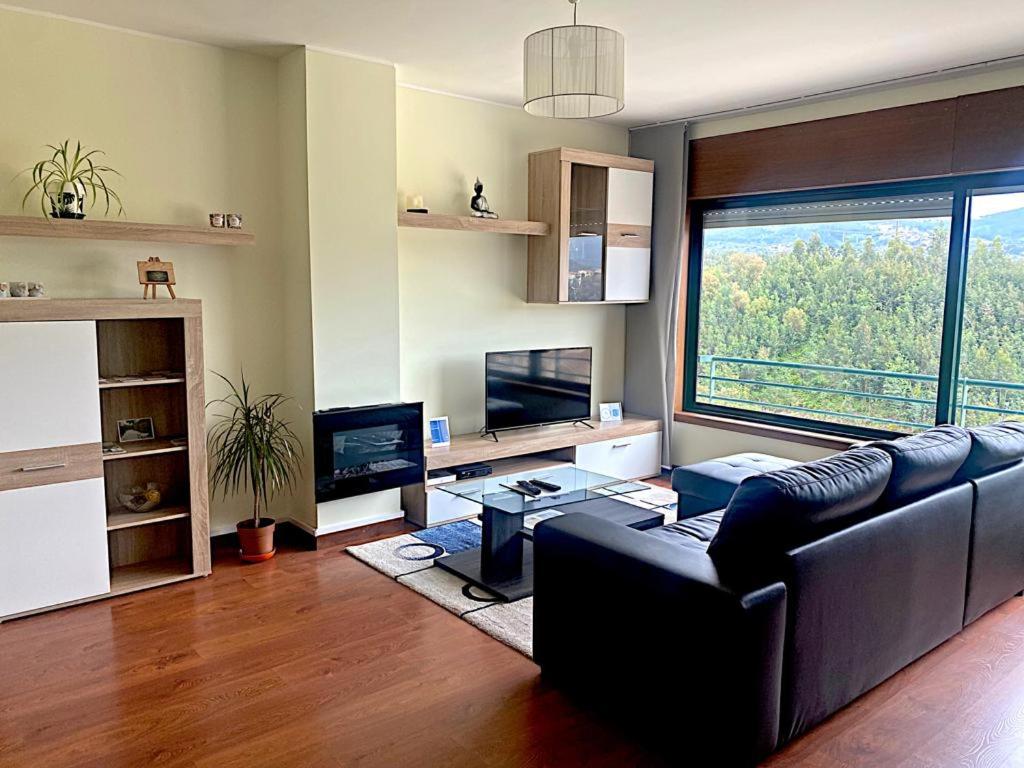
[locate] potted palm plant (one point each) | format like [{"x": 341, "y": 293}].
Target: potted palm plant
[
  {"x": 253, "y": 450},
  {"x": 67, "y": 180}
]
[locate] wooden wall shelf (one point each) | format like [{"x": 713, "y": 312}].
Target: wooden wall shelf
[
  {"x": 113, "y": 229},
  {"x": 472, "y": 224}
]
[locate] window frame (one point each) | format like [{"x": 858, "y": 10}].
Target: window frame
[{"x": 963, "y": 189}]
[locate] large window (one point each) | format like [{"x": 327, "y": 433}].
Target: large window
[{"x": 864, "y": 312}]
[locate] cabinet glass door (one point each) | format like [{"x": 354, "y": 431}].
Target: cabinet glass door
[{"x": 588, "y": 205}]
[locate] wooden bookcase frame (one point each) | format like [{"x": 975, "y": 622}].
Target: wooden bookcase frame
[{"x": 172, "y": 542}]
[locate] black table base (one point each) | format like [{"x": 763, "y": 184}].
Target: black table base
[{"x": 503, "y": 564}]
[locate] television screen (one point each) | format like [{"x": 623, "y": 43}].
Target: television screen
[{"x": 539, "y": 386}]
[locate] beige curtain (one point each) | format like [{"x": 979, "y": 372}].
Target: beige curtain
[{"x": 651, "y": 327}]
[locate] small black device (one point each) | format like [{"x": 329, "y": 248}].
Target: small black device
[
  {"x": 469, "y": 471},
  {"x": 544, "y": 485},
  {"x": 528, "y": 488}
]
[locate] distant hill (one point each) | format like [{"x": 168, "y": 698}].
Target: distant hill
[{"x": 1008, "y": 225}]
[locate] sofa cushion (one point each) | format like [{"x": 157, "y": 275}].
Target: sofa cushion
[
  {"x": 993, "y": 447},
  {"x": 772, "y": 513},
  {"x": 708, "y": 485},
  {"x": 693, "y": 532},
  {"x": 924, "y": 463}
]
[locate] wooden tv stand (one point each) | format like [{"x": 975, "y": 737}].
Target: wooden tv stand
[{"x": 629, "y": 449}]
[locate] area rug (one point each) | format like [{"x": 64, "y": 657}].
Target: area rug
[{"x": 409, "y": 560}]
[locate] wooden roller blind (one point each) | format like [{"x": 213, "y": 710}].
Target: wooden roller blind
[{"x": 968, "y": 134}]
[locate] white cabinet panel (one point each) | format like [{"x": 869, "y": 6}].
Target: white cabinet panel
[
  {"x": 630, "y": 196},
  {"x": 53, "y": 545},
  {"x": 49, "y": 387},
  {"x": 627, "y": 274},
  {"x": 443, "y": 507},
  {"x": 627, "y": 458}
]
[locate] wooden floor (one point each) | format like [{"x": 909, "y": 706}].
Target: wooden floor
[{"x": 314, "y": 659}]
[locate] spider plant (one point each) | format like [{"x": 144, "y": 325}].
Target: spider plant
[
  {"x": 252, "y": 448},
  {"x": 76, "y": 169}
]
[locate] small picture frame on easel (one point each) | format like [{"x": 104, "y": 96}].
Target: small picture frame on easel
[{"x": 154, "y": 272}]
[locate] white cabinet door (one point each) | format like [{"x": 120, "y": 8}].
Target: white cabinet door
[
  {"x": 53, "y": 545},
  {"x": 48, "y": 386},
  {"x": 443, "y": 507},
  {"x": 627, "y": 458},
  {"x": 627, "y": 274},
  {"x": 630, "y": 196}
]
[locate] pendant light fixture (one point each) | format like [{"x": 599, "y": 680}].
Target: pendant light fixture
[{"x": 574, "y": 72}]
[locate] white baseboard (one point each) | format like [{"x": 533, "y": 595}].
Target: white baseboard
[{"x": 358, "y": 522}]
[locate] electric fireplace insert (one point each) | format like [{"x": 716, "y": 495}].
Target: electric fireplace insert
[{"x": 367, "y": 449}]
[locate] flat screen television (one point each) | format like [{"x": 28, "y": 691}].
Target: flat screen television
[{"x": 537, "y": 386}]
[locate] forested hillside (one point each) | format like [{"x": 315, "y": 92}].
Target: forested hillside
[{"x": 866, "y": 302}]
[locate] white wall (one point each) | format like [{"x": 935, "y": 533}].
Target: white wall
[
  {"x": 464, "y": 293},
  {"x": 192, "y": 130},
  {"x": 350, "y": 130}
]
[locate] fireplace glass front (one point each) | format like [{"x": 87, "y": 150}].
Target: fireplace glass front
[{"x": 367, "y": 449}]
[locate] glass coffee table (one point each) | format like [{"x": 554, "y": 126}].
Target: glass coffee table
[{"x": 503, "y": 564}]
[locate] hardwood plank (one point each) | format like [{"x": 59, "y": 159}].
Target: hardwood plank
[
  {"x": 547, "y": 185},
  {"x": 199, "y": 490},
  {"x": 45, "y": 466},
  {"x": 97, "y": 309},
  {"x": 472, "y": 224},
  {"x": 144, "y": 448},
  {"x": 465, "y": 449},
  {"x": 152, "y": 573},
  {"x": 314, "y": 659},
  {"x": 121, "y": 518},
  {"x": 628, "y": 236},
  {"x": 115, "y": 229},
  {"x": 605, "y": 160},
  {"x": 145, "y": 383}
]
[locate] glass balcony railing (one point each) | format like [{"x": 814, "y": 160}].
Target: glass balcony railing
[{"x": 857, "y": 396}]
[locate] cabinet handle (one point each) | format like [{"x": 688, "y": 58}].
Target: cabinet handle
[
  {"x": 620, "y": 445},
  {"x": 588, "y": 234},
  {"x": 629, "y": 234},
  {"x": 41, "y": 467}
]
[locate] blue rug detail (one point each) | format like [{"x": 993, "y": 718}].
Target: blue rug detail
[{"x": 454, "y": 537}]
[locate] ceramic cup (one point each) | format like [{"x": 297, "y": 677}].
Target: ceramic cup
[
  {"x": 234, "y": 220},
  {"x": 5, "y": 290},
  {"x": 19, "y": 290},
  {"x": 36, "y": 290},
  {"x": 216, "y": 219}
]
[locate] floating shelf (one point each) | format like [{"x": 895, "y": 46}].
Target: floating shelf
[
  {"x": 144, "y": 448},
  {"x": 472, "y": 224},
  {"x": 125, "y": 519},
  {"x": 113, "y": 229},
  {"x": 142, "y": 383}
]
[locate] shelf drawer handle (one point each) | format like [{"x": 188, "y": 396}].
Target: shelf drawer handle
[
  {"x": 629, "y": 234},
  {"x": 621, "y": 445},
  {"x": 42, "y": 467},
  {"x": 588, "y": 234}
]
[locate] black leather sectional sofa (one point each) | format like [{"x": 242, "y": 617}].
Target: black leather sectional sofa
[{"x": 735, "y": 631}]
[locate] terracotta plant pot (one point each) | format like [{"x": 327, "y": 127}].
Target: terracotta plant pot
[{"x": 257, "y": 543}]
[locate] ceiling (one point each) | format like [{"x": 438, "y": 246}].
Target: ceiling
[{"x": 683, "y": 57}]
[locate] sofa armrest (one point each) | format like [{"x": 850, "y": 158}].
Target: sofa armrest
[{"x": 635, "y": 620}]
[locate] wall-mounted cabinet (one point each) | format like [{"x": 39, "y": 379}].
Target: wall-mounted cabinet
[{"x": 598, "y": 207}]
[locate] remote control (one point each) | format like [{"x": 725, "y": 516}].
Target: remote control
[
  {"x": 528, "y": 487},
  {"x": 544, "y": 485}
]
